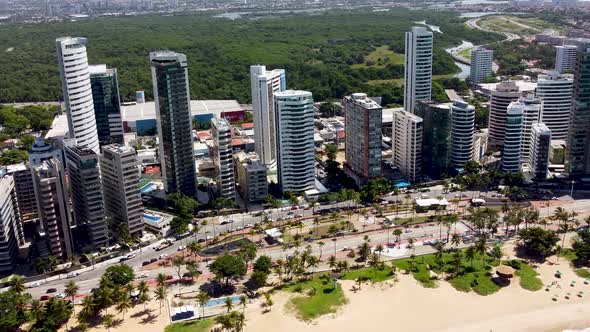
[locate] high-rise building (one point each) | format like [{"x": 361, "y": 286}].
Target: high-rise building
[
  {"x": 481, "y": 64},
  {"x": 8, "y": 224},
  {"x": 251, "y": 177},
  {"x": 565, "y": 58},
  {"x": 42, "y": 150},
  {"x": 504, "y": 93},
  {"x": 363, "y": 137},
  {"x": 120, "y": 171},
  {"x": 223, "y": 159},
  {"x": 26, "y": 203},
  {"x": 83, "y": 167},
  {"x": 462, "y": 130},
  {"x": 578, "y": 141},
  {"x": 52, "y": 204},
  {"x": 171, "y": 92},
  {"x": 77, "y": 91},
  {"x": 418, "y": 69},
  {"x": 107, "y": 105},
  {"x": 264, "y": 84},
  {"x": 406, "y": 143},
  {"x": 436, "y": 141},
  {"x": 511, "y": 155},
  {"x": 531, "y": 109},
  {"x": 556, "y": 92},
  {"x": 295, "y": 145},
  {"x": 480, "y": 144},
  {"x": 540, "y": 150}
]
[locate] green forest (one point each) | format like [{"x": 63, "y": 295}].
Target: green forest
[{"x": 317, "y": 51}]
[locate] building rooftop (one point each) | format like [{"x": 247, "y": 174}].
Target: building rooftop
[
  {"x": 118, "y": 148},
  {"x": 147, "y": 110},
  {"x": 362, "y": 100},
  {"x": 59, "y": 127},
  {"x": 97, "y": 69}
]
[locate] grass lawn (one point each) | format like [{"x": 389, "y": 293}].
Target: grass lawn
[
  {"x": 411, "y": 221},
  {"x": 582, "y": 273},
  {"x": 527, "y": 275},
  {"x": 201, "y": 325},
  {"x": 480, "y": 282},
  {"x": 373, "y": 274},
  {"x": 466, "y": 53},
  {"x": 381, "y": 57},
  {"x": 508, "y": 24},
  {"x": 568, "y": 254},
  {"x": 421, "y": 272},
  {"x": 322, "y": 300}
]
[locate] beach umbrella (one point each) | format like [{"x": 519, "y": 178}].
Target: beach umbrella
[{"x": 505, "y": 271}]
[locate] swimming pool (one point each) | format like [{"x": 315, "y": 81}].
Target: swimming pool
[
  {"x": 148, "y": 188},
  {"x": 151, "y": 218},
  {"x": 220, "y": 301}
]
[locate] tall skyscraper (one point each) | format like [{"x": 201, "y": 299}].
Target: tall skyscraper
[
  {"x": 120, "y": 171},
  {"x": 223, "y": 159},
  {"x": 8, "y": 224},
  {"x": 363, "y": 137},
  {"x": 406, "y": 143},
  {"x": 52, "y": 204},
  {"x": 295, "y": 146},
  {"x": 462, "y": 129},
  {"x": 77, "y": 91},
  {"x": 504, "y": 93},
  {"x": 26, "y": 203},
  {"x": 264, "y": 84},
  {"x": 436, "y": 142},
  {"x": 556, "y": 91},
  {"x": 530, "y": 108},
  {"x": 578, "y": 142},
  {"x": 540, "y": 150},
  {"x": 565, "y": 58},
  {"x": 511, "y": 155},
  {"x": 171, "y": 92},
  {"x": 107, "y": 105},
  {"x": 83, "y": 167},
  {"x": 418, "y": 69},
  {"x": 481, "y": 64}
]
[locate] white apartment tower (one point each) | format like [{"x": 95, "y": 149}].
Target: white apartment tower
[
  {"x": 52, "y": 203},
  {"x": 511, "y": 155},
  {"x": 503, "y": 94},
  {"x": 251, "y": 177},
  {"x": 406, "y": 139},
  {"x": 83, "y": 167},
  {"x": 418, "y": 69},
  {"x": 540, "y": 150},
  {"x": 462, "y": 131},
  {"x": 264, "y": 84},
  {"x": 8, "y": 224},
  {"x": 565, "y": 58},
  {"x": 77, "y": 91},
  {"x": 222, "y": 158},
  {"x": 120, "y": 171},
  {"x": 556, "y": 92},
  {"x": 295, "y": 145},
  {"x": 481, "y": 64},
  {"x": 531, "y": 111}
]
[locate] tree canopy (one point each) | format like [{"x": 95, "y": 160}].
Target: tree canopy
[
  {"x": 120, "y": 274},
  {"x": 537, "y": 241},
  {"x": 228, "y": 267}
]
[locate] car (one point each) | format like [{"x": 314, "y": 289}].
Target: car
[
  {"x": 227, "y": 221},
  {"x": 144, "y": 263},
  {"x": 131, "y": 255},
  {"x": 239, "y": 228},
  {"x": 142, "y": 276},
  {"x": 209, "y": 237},
  {"x": 72, "y": 275},
  {"x": 163, "y": 256},
  {"x": 482, "y": 195},
  {"x": 122, "y": 259},
  {"x": 345, "y": 248},
  {"x": 555, "y": 198},
  {"x": 201, "y": 240},
  {"x": 60, "y": 295},
  {"x": 44, "y": 297},
  {"x": 153, "y": 260},
  {"x": 51, "y": 290},
  {"x": 180, "y": 248},
  {"x": 248, "y": 226},
  {"x": 169, "y": 277}
]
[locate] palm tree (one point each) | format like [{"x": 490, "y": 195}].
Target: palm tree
[
  {"x": 229, "y": 304},
  {"x": 316, "y": 223},
  {"x": 71, "y": 290},
  {"x": 332, "y": 262},
  {"x": 268, "y": 301},
  {"x": 203, "y": 299},
  {"x": 194, "y": 248},
  {"x": 379, "y": 249},
  {"x": 142, "y": 287},
  {"x": 124, "y": 304},
  {"x": 161, "y": 279},
  {"x": 455, "y": 240},
  {"x": 17, "y": 284},
  {"x": 243, "y": 302},
  {"x": 470, "y": 254},
  {"x": 398, "y": 233},
  {"x": 160, "y": 295},
  {"x": 144, "y": 298},
  {"x": 313, "y": 262},
  {"x": 88, "y": 305},
  {"x": 36, "y": 308},
  {"x": 107, "y": 321}
]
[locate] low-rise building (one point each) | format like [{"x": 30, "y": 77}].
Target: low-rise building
[{"x": 251, "y": 177}]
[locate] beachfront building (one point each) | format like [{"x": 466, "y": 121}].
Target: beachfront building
[
  {"x": 264, "y": 84},
  {"x": 578, "y": 141},
  {"x": 418, "y": 67},
  {"x": 8, "y": 224},
  {"x": 251, "y": 177},
  {"x": 500, "y": 97},
  {"x": 565, "y": 58},
  {"x": 295, "y": 145},
  {"x": 77, "y": 91},
  {"x": 511, "y": 155},
  {"x": 363, "y": 137},
  {"x": 107, "y": 104},
  {"x": 406, "y": 139},
  {"x": 120, "y": 170},
  {"x": 481, "y": 64},
  {"x": 83, "y": 167},
  {"x": 174, "y": 123},
  {"x": 556, "y": 92},
  {"x": 222, "y": 158},
  {"x": 52, "y": 204},
  {"x": 462, "y": 130},
  {"x": 436, "y": 142},
  {"x": 540, "y": 150},
  {"x": 531, "y": 108}
]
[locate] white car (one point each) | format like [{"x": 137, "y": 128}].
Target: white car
[
  {"x": 163, "y": 256},
  {"x": 142, "y": 276},
  {"x": 60, "y": 295},
  {"x": 180, "y": 248},
  {"x": 131, "y": 255},
  {"x": 248, "y": 226},
  {"x": 72, "y": 275}
]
